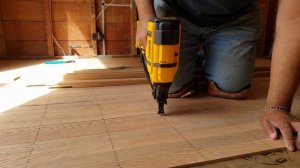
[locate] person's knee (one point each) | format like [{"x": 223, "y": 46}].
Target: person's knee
[{"x": 232, "y": 85}]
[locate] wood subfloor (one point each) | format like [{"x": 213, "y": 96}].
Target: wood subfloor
[{"x": 118, "y": 126}]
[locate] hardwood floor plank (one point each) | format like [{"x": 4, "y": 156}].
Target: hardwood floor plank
[
  {"x": 88, "y": 151},
  {"x": 15, "y": 156},
  {"x": 18, "y": 135},
  {"x": 132, "y": 108},
  {"x": 21, "y": 119},
  {"x": 134, "y": 122},
  {"x": 158, "y": 155},
  {"x": 69, "y": 130},
  {"x": 71, "y": 112}
]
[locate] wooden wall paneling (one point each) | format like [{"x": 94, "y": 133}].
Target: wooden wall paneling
[
  {"x": 48, "y": 24},
  {"x": 119, "y": 1},
  {"x": 118, "y": 31},
  {"x": 117, "y": 47},
  {"x": 23, "y": 10},
  {"x": 26, "y": 49},
  {"x": 72, "y": 30},
  {"x": 85, "y": 48},
  {"x": 2, "y": 37},
  {"x": 73, "y": 25},
  {"x": 24, "y": 28},
  {"x": 118, "y": 23}
]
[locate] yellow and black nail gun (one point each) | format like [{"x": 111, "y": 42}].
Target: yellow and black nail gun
[{"x": 160, "y": 57}]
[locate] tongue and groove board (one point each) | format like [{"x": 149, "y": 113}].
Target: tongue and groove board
[{"x": 118, "y": 126}]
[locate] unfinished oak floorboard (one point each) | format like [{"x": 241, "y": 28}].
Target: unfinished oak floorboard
[
  {"x": 118, "y": 126},
  {"x": 15, "y": 156}
]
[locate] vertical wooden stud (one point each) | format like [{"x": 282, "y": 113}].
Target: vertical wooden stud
[
  {"x": 48, "y": 22},
  {"x": 93, "y": 26},
  {"x": 133, "y": 27}
]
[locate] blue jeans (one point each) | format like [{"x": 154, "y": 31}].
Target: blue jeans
[{"x": 229, "y": 50}]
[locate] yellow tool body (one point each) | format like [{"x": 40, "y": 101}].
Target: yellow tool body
[{"x": 161, "y": 56}]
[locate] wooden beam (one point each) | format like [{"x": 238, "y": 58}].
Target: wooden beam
[
  {"x": 48, "y": 22},
  {"x": 2, "y": 37},
  {"x": 93, "y": 26},
  {"x": 133, "y": 27}
]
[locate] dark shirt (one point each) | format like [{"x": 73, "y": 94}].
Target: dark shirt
[{"x": 211, "y": 12}]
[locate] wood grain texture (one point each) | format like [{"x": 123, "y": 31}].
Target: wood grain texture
[
  {"x": 72, "y": 30},
  {"x": 25, "y": 49},
  {"x": 24, "y": 30},
  {"x": 21, "y": 119},
  {"x": 87, "y": 151},
  {"x": 118, "y": 126},
  {"x": 48, "y": 24},
  {"x": 2, "y": 37},
  {"x": 23, "y": 10},
  {"x": 70, "y": 130},
  {"x": 15, "y": 156},
  {"x": 116, "y": 47},
  {"x": 65, "y": 11},
  {"x": 18, "y": 135},
  {"x": 66, "y": 113},
  {"x": 73, "y": 24}
]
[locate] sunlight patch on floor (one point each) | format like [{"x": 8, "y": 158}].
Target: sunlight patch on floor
[{"x": 14, "y": 88}]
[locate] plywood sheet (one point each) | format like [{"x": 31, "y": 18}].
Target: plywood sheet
[
  {"x": 114, "y": 33},
  {"x": 22, "y": 10},
  {"x": 116, "y": 47},
  {"x": 70, "y": 11},
  {"x": 74, "y": 22},
  {"x": 72, "y": 30},
  {"x": 80, "y": 47},
  {"x": 26, "y": 48},
  {"x": 24, "y": 30}
]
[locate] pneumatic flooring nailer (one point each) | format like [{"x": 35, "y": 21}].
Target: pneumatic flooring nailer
[{"x": 160, "y": 57}]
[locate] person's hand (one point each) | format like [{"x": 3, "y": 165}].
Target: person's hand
[
  {"x": 274, "y": 122},
  {"x": 141, "y": 33}
]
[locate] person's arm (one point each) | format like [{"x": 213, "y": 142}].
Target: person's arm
[
  {"x": 285, "y": 76},
  {"x": 146, "y": 12}
]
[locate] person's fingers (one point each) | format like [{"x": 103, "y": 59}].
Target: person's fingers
[
  {"x": 142, "y": 43},
  {"x": 141, "y": 34},
  {"x": 296, "y": 126},
  {"x": 298, "y": 139},
  {"x": 287, "y": 133},
  {"x": 269, "y": 129}
]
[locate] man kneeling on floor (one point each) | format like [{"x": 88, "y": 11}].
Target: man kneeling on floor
[{"x": 228, "y": 31}]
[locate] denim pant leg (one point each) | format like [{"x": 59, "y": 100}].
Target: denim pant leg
[
  {"x": 230, "y": 53},
  {"x": 189, "y": 42}
]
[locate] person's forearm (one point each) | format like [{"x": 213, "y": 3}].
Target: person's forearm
[
  {"x": 145, "y": 9},
  {"x": 285, "y": 71}
]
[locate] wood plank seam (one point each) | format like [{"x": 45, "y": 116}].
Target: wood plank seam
[
  {"x": 35, "y": 139},
  {"x": 178, "y": 132},
  {"x": 110, "y": 139}
]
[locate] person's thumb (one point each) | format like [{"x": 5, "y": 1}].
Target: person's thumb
[{"x": 269, "y": 129}]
